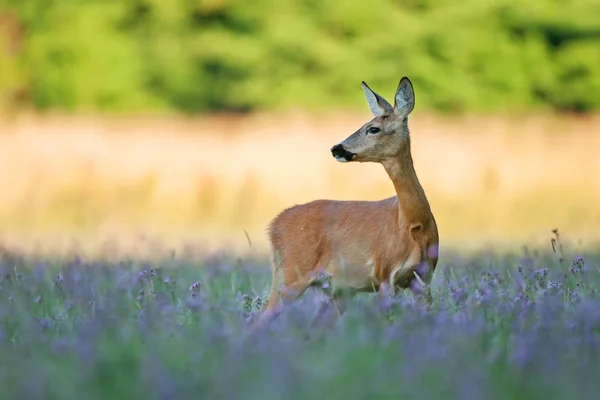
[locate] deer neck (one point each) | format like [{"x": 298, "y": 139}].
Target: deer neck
[{"x": 413, "y": 207}]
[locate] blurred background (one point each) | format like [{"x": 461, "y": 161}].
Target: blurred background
[{"x": 151, "y": 124}]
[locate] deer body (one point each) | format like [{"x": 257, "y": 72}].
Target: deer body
[{"x": 361, "y": 245}]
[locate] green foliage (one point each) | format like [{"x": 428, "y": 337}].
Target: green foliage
[{"x": 205, "y": 55}]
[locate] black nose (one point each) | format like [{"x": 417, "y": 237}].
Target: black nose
[{"x": 338, "y": 150}]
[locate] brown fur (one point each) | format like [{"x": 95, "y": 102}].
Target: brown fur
[{"x": 361, "y": 245}]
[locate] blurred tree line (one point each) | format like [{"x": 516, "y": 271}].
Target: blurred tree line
[{"x": 206, "y": 55}]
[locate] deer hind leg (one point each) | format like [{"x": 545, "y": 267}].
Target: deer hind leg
[
  {"x": 283, "y": 293},
  {"x": 331, "y": 309}
]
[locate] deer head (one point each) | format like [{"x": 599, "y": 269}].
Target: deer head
[{"x": 386, "y": 135}]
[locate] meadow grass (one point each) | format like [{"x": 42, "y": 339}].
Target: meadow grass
[
  {"x": 208, "y": 179},
  {"x": 518, "y": 325}
]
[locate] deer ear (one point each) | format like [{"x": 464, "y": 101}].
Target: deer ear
[
  {"x": 404, "y": 100},
  {"x": 378, "y": 104}
]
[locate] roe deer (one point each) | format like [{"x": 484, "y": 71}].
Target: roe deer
[{"x": 361, "y": 245}]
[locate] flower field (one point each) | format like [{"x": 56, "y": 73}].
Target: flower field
[{"x": 502, "y": 326}]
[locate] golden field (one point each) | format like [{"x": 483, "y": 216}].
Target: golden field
[{"x": 78, "y": 181}]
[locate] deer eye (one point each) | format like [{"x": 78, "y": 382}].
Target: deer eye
[{"x": 373, "y": 130}]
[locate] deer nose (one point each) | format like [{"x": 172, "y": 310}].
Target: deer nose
[
  {"x": 338, "y": 150},
  {"x": 341, "y": 154}
]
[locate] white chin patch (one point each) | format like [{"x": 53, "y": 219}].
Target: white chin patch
[{"x": 341, "y": 159}]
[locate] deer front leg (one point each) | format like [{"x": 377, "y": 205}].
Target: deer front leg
[
  {"x": 386, "y": 292},
  {"x": 420, "y": 285}
]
